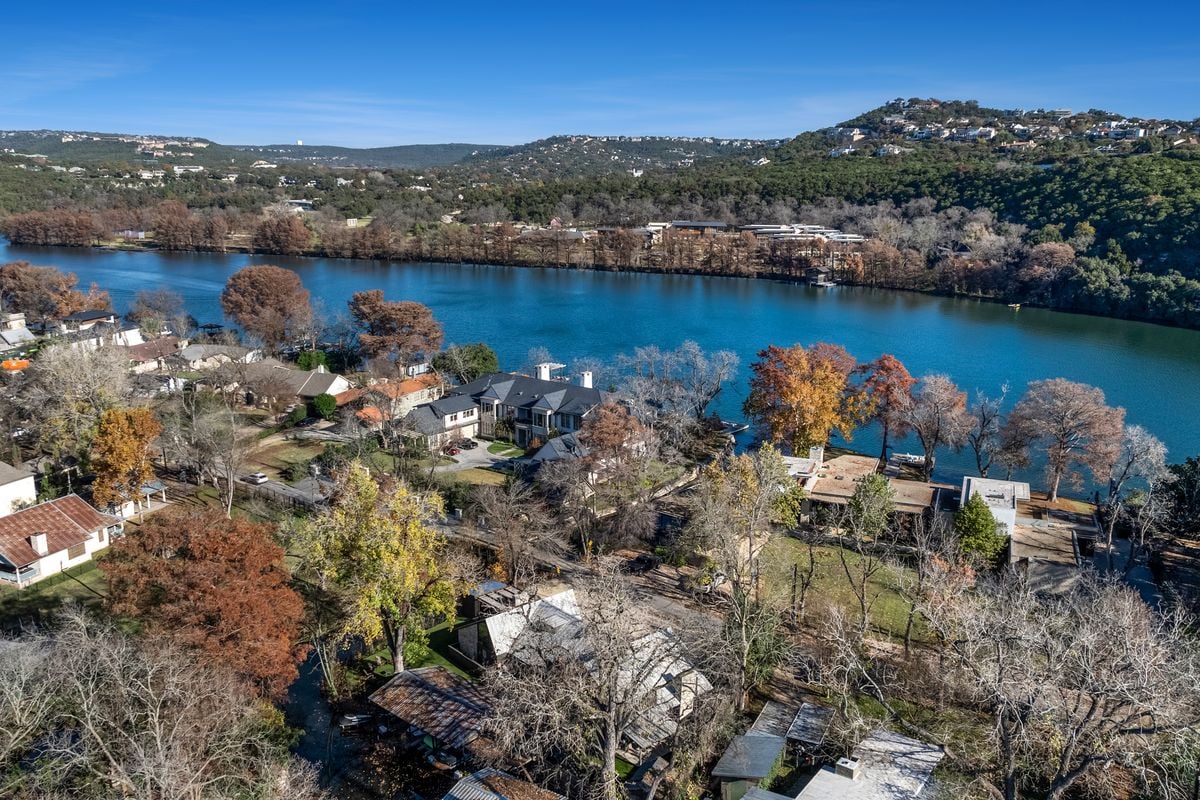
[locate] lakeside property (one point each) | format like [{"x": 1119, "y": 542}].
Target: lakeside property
[{"x": 1149, "y": 370}]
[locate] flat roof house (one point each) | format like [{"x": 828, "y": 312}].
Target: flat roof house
[
  {"x": 884, "y": 766},
  {"x": 1001, "y": 498},
  {"x": 50, "y": 537}
]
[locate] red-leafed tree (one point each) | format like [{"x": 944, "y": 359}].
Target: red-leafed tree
[
  {"x": 215, "y": 584},
  {"x": 394, "y": 329},
  {"x": 267, "y": 302},
  {"x": 889, "y": 384},
  {"x": 46, "y": 293}
]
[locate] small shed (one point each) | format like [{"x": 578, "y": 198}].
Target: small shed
[
  {"x": 747, "y": 761},
  {"x": 811, "y": 726}
]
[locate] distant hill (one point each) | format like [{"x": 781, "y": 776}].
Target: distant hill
[
  {"x": 579, "y": 155},
  {"x": 408, "y": 156}
]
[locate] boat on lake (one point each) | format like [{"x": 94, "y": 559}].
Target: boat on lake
[
  {"x": 1015, "y": 306},
  {"x": 915, "y": 459},
  {"x": 733, "y": 428}
]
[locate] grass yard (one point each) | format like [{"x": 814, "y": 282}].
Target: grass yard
[
  {"x": 480, "y": 477},
  {"x": 441, "y": 637},
  {"x": 505, "y": 449},
  {"x": 277, "y": 457},
  {"x": 84, "y": 584},
  {"x": 830, "y": 585}
]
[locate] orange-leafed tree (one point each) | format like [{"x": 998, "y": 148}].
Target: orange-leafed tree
[
  {"x": 801, "y": 395},
  {"x": 216, "y": 584},
  {"x": 121, "y": 454},
  {"x": 889, "y": 385},
  {"x": 268, "y": 302},
  {"x": 45, "y": 293},
  {"x": 394, "y": 329}
]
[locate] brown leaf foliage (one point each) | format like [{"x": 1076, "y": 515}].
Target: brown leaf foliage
[{"x": 215, "y": 584}]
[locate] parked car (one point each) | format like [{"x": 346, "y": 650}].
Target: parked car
[
  {"x": 468, "y": 444},
  {"x": 643, "y": 563},
  {"x": 451, "y": 450},
  {"x": 304, "y": 423},
  {"x": 347, "y": 721},
  {"x": 257, "y": 478}
]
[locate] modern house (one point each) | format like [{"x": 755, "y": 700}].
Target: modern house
[
  {"x": 14, "y": 335},
  {"x": 884, "y": 766},
  {"x": 17, "y": 489},
  {"x": 86, "y": 320},
  {"x": 1001, "y": 498},
  {"x": 47, "y": 538}
]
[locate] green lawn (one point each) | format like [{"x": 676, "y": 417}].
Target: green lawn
[
  {"x": 505, "y": 449},
  {"x": 830, "y": 585},
  {"x": 481, "y": 477},
  {"x": 441, "y": 637},
  {"x": 83, "y": 584}
]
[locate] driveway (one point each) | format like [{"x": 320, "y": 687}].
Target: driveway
[{"x": 478, "y": 458}]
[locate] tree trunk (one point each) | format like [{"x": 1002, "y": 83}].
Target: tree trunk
[
  {"x": 609, "y": 789},
  {"x": 395, "y": 642},
  {"x": 1054, "y": 486}
]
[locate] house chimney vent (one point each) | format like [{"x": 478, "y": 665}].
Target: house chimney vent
[
  {"x": 39, "y": 544},
  {"x": 543, "y": 372},
  {"x": 817, "y": 454},
  {"x": 585, "y": 379},
  {"x": 848, "y": 768}
]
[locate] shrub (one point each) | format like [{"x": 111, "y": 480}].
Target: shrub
[{"x": 978, "y": 536}]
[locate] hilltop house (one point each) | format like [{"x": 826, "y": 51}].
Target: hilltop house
[
  {"x": 505, "y": 404},
  {"x": 47, "y": 538}
]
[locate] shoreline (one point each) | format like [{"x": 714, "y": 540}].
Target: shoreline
[{"x": 780, "y": 276}]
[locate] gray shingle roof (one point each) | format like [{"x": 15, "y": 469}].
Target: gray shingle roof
[
  {"x": 10, "y": 474},
  {"x": 453, "y": 404},
  {"x": 522, "y": 391}
]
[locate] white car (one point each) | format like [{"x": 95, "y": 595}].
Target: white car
[{"x": 258, "y": 478}]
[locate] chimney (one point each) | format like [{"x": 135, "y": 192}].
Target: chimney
[
  {"x": 817, "y": 454},
  {"x": 848, "y": 768},
  {"x": 39, "y": 544},
  {"x": 543, "y": 371},
  {"x": 320, "y": 367},
  {"x": 585, "y": 379}
]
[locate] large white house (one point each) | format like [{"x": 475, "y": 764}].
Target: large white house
[{"x": 47, "y": 538}]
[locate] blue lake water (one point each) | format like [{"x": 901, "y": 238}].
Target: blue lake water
[{"x": 1153, "y": 371}]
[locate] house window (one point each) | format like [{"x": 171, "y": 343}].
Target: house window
[
  {"x": 75, "y": 551},
  {"x": 100, "y": 535},
  {"x": 454, "y": 417},
  {"x": 470, "y": 412}
]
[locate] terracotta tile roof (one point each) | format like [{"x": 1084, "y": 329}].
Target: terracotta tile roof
[
  {"x": 391, "y": 390},
  {"x": 441, "y": 704},
  {"x": 66, "y": 521}
]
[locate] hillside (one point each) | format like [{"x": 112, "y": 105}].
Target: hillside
[
  {"x": 409, "y": 156},
  {"x": 570, "y": 156}
]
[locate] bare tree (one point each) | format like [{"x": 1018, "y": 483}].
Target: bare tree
[
  {"x": 1073, "y": 424},
  {"x": 70, "y": 387},
  {"x": 1143, "y": 459},
  {"x": 578, "y": 692},
  {"x": 519, "y": 523},
  {"x": 938, "y": 415},
  {"x": 984, "y": 436},
  {"x": 1086, "y": 688},
  {"x": 142, "y": 719}
]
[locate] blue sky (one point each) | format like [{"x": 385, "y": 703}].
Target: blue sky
[{"x": 372, "y": 74}]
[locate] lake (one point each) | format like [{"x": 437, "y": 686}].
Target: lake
[{"x": 1153, "y": 371}]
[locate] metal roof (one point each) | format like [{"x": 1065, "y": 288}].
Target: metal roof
[{"x": 751, "y": 756}]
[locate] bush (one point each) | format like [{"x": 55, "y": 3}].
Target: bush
[
  {"x": 298, "y": 415},
  {"x": 325, "y": 406},
  {"x": 978, "y": 536},
  {"x": 311, "y": 359}
]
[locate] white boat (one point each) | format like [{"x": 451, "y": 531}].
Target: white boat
[
  {"x": 733, "y": 427},
  {"x": 908, "y": 458}
]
